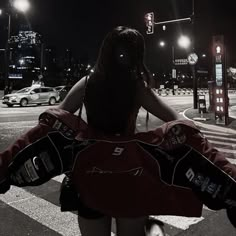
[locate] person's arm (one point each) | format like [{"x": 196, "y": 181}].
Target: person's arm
[
  {"x": 153, "y": 104},
  {"x": 74, "y": 98}
]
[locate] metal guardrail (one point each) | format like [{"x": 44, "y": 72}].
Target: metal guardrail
[{"x": 185, "y": 91}]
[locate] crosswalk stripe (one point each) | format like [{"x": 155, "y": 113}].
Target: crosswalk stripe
[
  {"x": 215, "y": 128},
  {"x": 220, "y": 138},
  {"x": 231, "y": 145},
  {"x": 213, "y": 132},
  {"x": 42, "y": 211},
  {"x": 179, "y": 222},
  {"x": 233, "y": 161},
  {"x": 226, "y": 150}
]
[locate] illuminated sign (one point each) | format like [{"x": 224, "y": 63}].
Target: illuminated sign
[
  {"x": 182, "y": 61},
  {"x": 219, "y": 74},
  {"x": 15, "y": 76},
  {"x": 220, "y": 90}
]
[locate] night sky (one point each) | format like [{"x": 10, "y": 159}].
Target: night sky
[{"x": 81, "y": 25}]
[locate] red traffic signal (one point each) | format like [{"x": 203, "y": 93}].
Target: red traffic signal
[{"x": 149, "y": 20}]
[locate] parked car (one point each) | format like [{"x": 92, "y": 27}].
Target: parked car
[
  {"x": 63, "y": 90},
  {"x": 31, "y": 95}
]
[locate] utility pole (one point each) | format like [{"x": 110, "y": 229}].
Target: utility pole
[
  {"x": 195, "y": 98},
  {"x": 173, "y": 63},
  {"x": 7, "y": 54}
]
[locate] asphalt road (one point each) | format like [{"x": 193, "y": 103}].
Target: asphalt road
[{"x": 35, "y": 211}]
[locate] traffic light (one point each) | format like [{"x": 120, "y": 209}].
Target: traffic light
[
  {"x": 219, "y": 76},
  {"x": 149, "y": 20},
  {"x": 218, "y": 46}
]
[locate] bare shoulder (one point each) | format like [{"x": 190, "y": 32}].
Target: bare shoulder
[
  {"x": 80, "y": 85},
  {"x": 74, "y": 98}
]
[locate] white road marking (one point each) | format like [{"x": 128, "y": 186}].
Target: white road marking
[
  {"x": 223, "y": 143},
  {"x": 8, "y": 112},
  {"x": 42, "y": 211},
  {"x": 180, "y": 222},
  {"x": 59, "y": 178},
  {"x": 221, "y": 138},
  {"x": 226, "y": 150},
  {"x": 217, "y": 133},
  {"x": 18, "y": 123},
  {"x": 233, "y": 161}
]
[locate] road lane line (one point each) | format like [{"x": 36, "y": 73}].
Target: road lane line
[{"x": 18, "y": 123}]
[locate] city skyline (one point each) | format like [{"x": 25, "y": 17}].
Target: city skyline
[{"x": 81, "y": 26}]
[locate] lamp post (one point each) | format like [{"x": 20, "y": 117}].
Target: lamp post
[
  {"x": 22, "y": 6},
  {"x": 183, "y": 42},
  {"x": 195, "y": 99}
]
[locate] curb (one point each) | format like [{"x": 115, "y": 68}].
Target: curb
[
  {"x": 185, "y": 115},
  {"x": 211, "y": 126}
]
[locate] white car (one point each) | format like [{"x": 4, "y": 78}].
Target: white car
[{"x": 32, "y": 95}]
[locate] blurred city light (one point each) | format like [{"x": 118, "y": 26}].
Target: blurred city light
[
  {"x": 218, "y": 49},
  {"x": 162, "y": 43},
  {"x": 184, "y": 41},
  {"x": 21, "y": 5},
  {"x": 22, "y": 61}
]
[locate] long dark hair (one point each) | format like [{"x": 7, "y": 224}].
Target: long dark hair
[{"x": 110, "y": 97}]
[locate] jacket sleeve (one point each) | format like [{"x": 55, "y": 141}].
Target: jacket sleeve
[
  {"x": 52, "y": 119},
  {"x": 186, "y": 132},
  {"x": 32, "y": 135}
]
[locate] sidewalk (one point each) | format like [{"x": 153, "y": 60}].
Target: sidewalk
[{"x": 209, "y": 117}]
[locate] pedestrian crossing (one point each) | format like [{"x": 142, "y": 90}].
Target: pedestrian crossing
[
  {"x": 38, "y": 211},
  {"x": 223, "y": 139}
]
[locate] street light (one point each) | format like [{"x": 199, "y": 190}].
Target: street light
[
  {"x": 183, "y": 42},
  {"x": 22, "y": 6}
]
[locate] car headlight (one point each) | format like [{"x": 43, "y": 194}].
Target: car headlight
[{"x": 13, "y": 98}]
